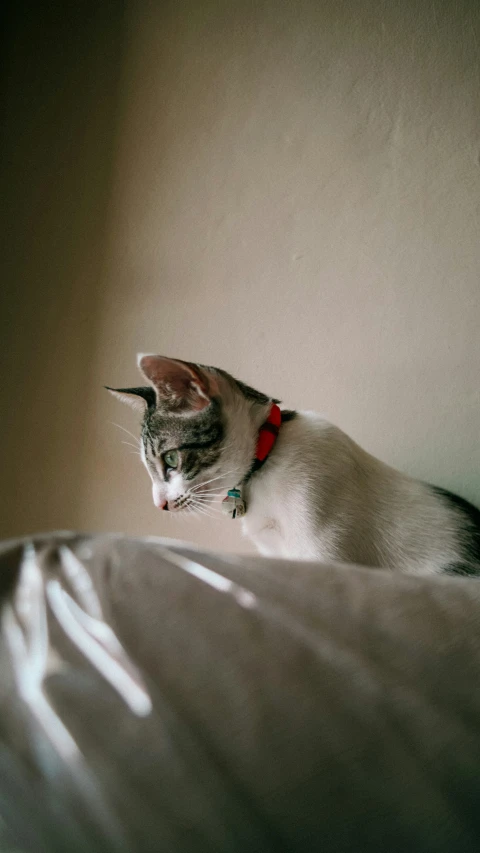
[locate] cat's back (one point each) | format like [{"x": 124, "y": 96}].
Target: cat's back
[{"x": 371, "y": 513}]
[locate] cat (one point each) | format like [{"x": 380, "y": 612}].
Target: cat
[{"x": 315, "y": 494}]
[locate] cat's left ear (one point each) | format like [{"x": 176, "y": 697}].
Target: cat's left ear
[
  {"x": 180, "y": 386},
  {"x": 138, "y": 398}
]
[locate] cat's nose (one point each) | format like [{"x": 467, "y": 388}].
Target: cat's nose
[{"x": 163, "y": 505}]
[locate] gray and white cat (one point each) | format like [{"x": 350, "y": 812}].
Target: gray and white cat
[{"x": 318, "y": 496}]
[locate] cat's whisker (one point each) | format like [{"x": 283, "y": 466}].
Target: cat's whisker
[
  {"x": 201, "y": 486},
  {"x": 201, "y": 511},
  {"x": 201, "y": 506},
  {"x": 207, "y": 506},
  {"x": 135, "y": 437},
  {"x": 129, "y": 444},
  {"x": 213, "y": 479},
  {"x": 210, "y": 510},
  {"x": 207, "y": 493},
  {"x": 196, "y": 496},
  {"x": 208, "y": 496},
  {"x": 216, "y": 510}
]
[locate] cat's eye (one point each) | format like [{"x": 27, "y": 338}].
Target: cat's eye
[{"x": 171, "y": 458}]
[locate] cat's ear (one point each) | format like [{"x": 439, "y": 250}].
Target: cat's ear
[
  {"x": 179, "y": 385},
  {"x": 138, "y": 398}
]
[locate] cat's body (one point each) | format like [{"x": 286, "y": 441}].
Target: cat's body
[
  {"x": 347, "y": 506},
  {"x": 318, "y": 496}
]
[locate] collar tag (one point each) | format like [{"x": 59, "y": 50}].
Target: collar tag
[{"x": 234, "y": 505}]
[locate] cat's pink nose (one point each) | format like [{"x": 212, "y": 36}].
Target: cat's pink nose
[{"x": 163, "y": 505}]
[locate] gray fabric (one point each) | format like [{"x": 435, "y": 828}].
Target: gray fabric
[{"x": 295, "y": 707}]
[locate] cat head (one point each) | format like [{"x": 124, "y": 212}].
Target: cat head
[{"x": 199, "y": 430}]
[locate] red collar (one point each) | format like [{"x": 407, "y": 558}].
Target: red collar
[{"x": 267, "y": 436}]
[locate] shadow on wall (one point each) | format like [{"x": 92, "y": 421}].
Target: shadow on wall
[{"x": 60, "y": 87}]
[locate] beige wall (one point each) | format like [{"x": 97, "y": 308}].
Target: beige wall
[{"x": 289, "y": 190}]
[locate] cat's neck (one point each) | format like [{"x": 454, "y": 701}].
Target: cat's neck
[{"x": 244, "y": 419}]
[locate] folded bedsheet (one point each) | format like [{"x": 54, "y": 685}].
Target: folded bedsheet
[{"x": 156, "y": 698}]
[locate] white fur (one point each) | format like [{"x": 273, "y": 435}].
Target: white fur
[{"x": 321, "y": 497}]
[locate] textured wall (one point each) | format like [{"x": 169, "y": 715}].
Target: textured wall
[{"x": 294, "y": 195}]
